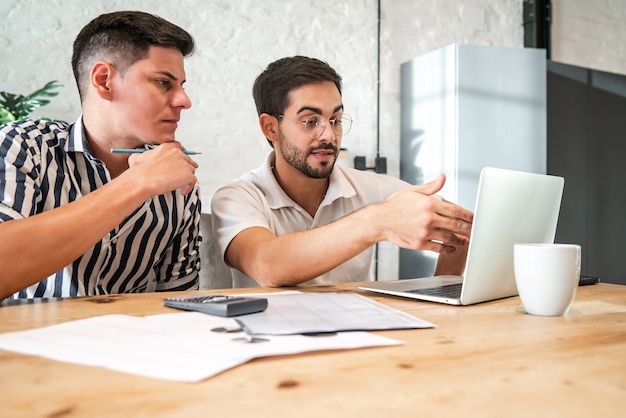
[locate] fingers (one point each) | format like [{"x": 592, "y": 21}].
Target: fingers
[
  {"x": 432, "y": 187},
  {"x": 451, "y": 238},
  {"x": 418, "y": 219},
  {"x": 445, "y": 218},
  {"x": 438, "y": 247},
  {"x": 437, "y": 240},
  {"x": 454, "y": 222},
  {"x": 187, "y": 188},
  {"x": 457, "y": 222},
  {"x": 167, "y": 167}
]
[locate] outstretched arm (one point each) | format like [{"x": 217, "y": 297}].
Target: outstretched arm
[{"x": 411, "y": 219}]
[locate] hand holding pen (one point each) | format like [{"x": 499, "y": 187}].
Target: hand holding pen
[{"x": 164, "y": 169}]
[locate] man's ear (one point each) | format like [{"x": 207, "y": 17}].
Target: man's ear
[
  {"x": 269, "y": 126},
  {"x": 101, "y": 79}
]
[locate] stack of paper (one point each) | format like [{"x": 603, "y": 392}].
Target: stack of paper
[{"x": 190, "y": 346}]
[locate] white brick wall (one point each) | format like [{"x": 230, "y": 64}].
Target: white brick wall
[
  {"x": 590, "y": 34},
  {"x": 237, "y": 39}
]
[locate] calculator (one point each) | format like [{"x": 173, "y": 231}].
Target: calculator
[{"x": 220, "y": 305}]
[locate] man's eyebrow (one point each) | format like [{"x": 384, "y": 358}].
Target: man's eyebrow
[
  {"x": 170, "y": 76},
  {"x": 317, "y": 109}
]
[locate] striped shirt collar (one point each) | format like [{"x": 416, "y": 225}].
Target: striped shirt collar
[{"x": 77, "y": 141}]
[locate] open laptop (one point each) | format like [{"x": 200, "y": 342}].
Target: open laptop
[{"x": 511, "y": 207}]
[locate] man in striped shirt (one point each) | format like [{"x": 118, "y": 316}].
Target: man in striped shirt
[{"x": 77, "y": 219}]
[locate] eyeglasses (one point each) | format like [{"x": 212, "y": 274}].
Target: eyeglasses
[{"x": 314, "y": 125}]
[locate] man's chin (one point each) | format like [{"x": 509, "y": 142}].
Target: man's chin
[
  {"x": 164, "y": 140},
  {"x": 323, "y": 172}
]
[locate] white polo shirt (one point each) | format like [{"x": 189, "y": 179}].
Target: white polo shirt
[{"x": 257, "y": 200}]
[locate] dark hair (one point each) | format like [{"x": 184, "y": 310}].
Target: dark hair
[
  {"x": 271, "y": 88},
  {"x": 123, "y": 38}
]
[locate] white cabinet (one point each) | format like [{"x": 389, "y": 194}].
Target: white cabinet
[{"x": 466, "y": 107}]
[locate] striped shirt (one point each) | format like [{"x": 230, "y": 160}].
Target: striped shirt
[{"x": 45, "y": 165}]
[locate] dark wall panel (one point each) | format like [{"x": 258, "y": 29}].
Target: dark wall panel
[{"x": 587, "y": 146}]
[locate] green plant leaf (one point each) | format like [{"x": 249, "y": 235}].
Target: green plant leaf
[
  {"x": 6, "y": 116},
  {"x": 46, "y": 91},
  {"x": 22, "y": 106}
]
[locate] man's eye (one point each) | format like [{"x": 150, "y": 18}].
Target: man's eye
[
  {"x": 164, "y": 84},
  {"x": 312, "y": 122},
  {"x": 336, "y": 122}
]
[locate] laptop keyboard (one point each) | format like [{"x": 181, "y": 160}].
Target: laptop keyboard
[{"x": 449, "y": 290}]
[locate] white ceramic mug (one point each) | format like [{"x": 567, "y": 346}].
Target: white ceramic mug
[{"x": 547, "y": 276}]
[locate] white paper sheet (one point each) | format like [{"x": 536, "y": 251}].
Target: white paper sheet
[
  {"x": 179, "y": 346},
  {"x": 299, "y": 313}
]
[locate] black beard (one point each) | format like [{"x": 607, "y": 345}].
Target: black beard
[{"x": 297, "y": 159}]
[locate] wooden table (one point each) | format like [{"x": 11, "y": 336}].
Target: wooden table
[{"x": 486, "y": 360}]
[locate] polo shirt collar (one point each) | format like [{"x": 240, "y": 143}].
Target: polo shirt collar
[{"x": 338, "y": 187}]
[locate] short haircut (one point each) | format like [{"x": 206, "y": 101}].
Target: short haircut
[
  {"x": 123, "y": 38},
  {"x": 271, "y": 88}
]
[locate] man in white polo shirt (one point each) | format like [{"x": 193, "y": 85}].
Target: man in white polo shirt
[{"x": 301, "y": 218}]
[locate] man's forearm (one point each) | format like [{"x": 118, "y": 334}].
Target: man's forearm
[
  {"x": 297, "y": 257},
  {"x": 35, "y": 247}
]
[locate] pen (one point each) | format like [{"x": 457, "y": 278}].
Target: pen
[{"x": 140, "y": 151}]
